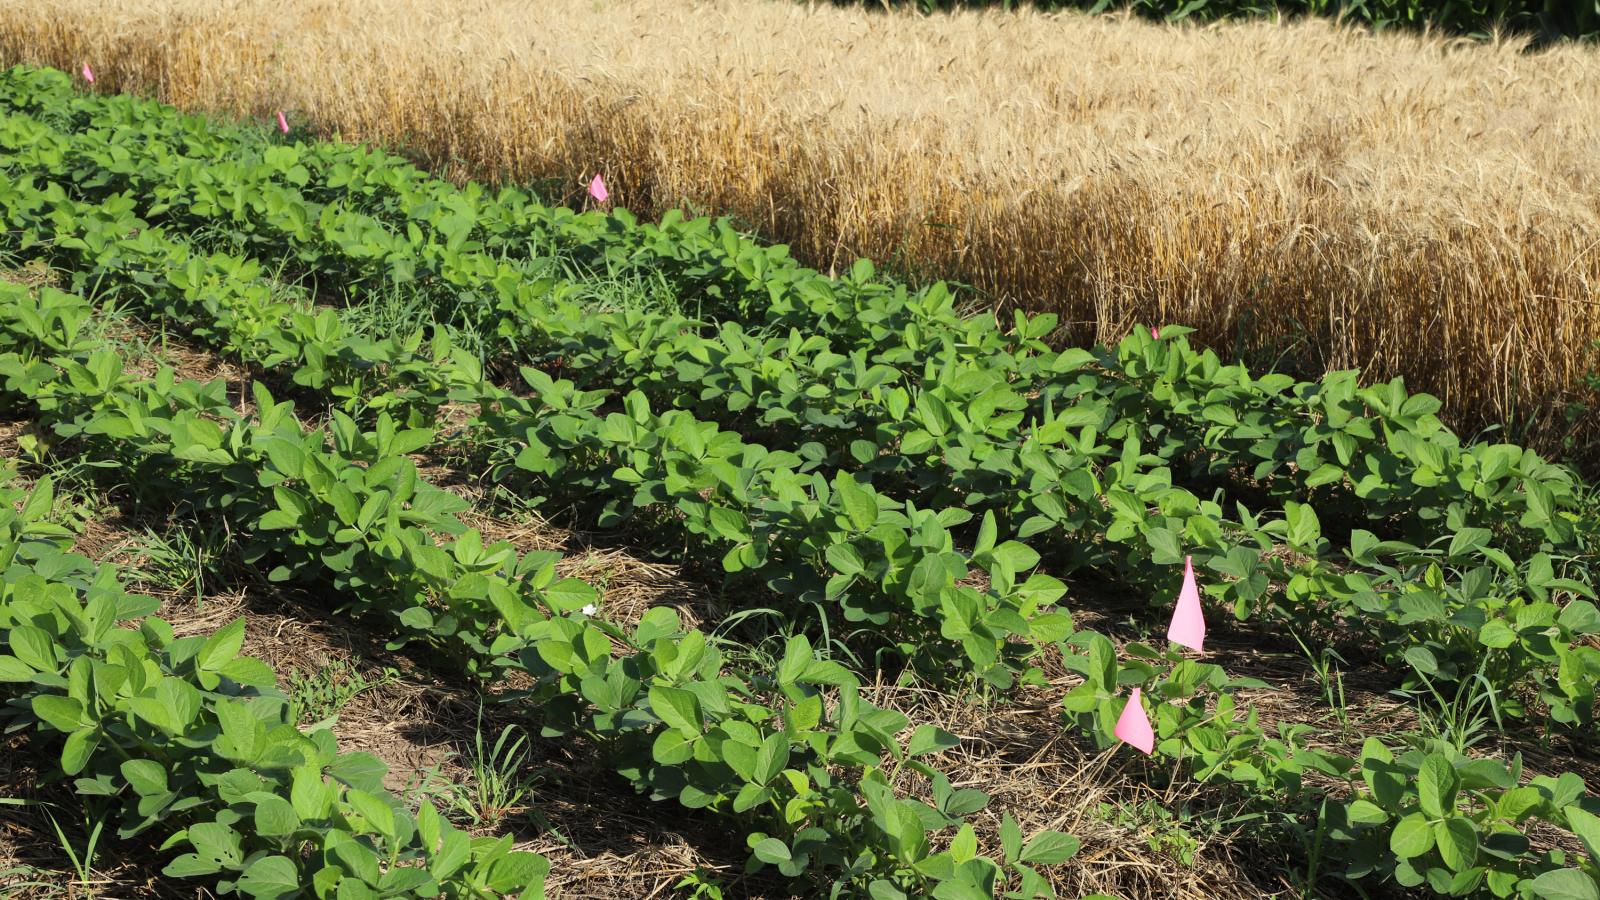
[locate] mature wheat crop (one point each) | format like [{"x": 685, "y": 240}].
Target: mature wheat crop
[{"x": 1403, "y": 203}]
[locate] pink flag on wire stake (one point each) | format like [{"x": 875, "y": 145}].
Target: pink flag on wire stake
[
  {"x": 1188, "y": 626},
  {"x": 1133, "y": 726},
  {"x": 597, "y": 189},
  {"x": 283, "y": 124},
  {"x": 88, "y": 73}
]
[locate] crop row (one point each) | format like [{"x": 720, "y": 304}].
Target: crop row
[
  {"x": 350, "y": 215},
  {"x": 188, "y": 740},
  {"x": 346, "y": 214},
  {"x": 738, "y": 499},
  {"x": 1056, "y": 477},
  {"x": 253, "y": 191},
  {"x": 1240, "y": 750},
  {"x": 1219, "y": 741},
  {"x": 369, "y": 218},
  {"x": 1111, "y": 694},
  {"x": 346, "y": 508}
]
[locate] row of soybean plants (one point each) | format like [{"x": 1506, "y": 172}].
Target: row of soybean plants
[
  {"x": 328, "y": 181},
  {"x": 1016, "y": 430},
  {"x": 794, "y": 756},
  {"x": 1424, "y": 604},
  {"x": 408, "y": 222},
  {"x": 1276, "y": 759},
  {"x": 186, "y": 740},
  {"x": 1456, "y": 862}
]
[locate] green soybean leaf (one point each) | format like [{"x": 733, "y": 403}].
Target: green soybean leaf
[
  {"x": 147, "y": 777},
  {"x": 1468, "y": 539},
  {"x": 1412, "y": 837},
  {"x": 1565, "y": 884},
  {"x": 217, "y": 842},
  {"x": 1365, "y": 812},
  {"x": 190, "y": 865},
  {"x": 404, "y": 882},
  {"x": 309, "y": 794},
  {"x": 730, "y": 523},
  {"x": 516, "y": 871},
  {"x": 35, "y": 647},
  {"x": 1020, "y": 557},
  {"x": 453, "y": 854},
  {"x": 270, "y": 877},
  {"x": 79, "y": 749},
  {"x": 1010, "y": 838},
  {"x": 1496, "y": 634},
  {"x": 373, "y": 809},
  {"x": 1327, "y": 473},
  {"x": 772, "y": 851},
  {"x": 931, "y": 739},
  {"x": 1437, "y": 783},
  {"x": 362, "y": 771},
  {"x": 1070, "y": 359},
  {"x": 1050, "y": 847},
  {"x": 1587, "y": 827},
  {"x": 965, "y": 844},
  {"x": 845, "y": 560},
  {"x": 772, "y": 757},
  {"x": 1423, "y": 660},
  {"x": 678, "y": 708},
  {"x": 1305, "y": 531},
  {"x": 1457, "y": 839},
  {"x": 63, "y": 713},
  {"x": 14, "y": 670},
  {"x": 221, "y": 648},
  {"x": 275, "y": 816},
  {"x": 860, "y": 507}
]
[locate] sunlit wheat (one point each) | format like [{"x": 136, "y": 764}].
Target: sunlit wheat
[{"x": 1300, "y": 192}]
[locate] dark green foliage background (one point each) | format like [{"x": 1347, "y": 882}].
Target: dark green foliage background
[{"x": 1546, "y": 19}]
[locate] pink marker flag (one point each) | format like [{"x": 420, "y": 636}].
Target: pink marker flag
[
  {"x": 88, "y": 73},
  {"x": 1188, "y": 626},
  {"x": 597, "y": 189},
  {"x": 1133, "y": 726},
  {"x": 283, "y": 124}
]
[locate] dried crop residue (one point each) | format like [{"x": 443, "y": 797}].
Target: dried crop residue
[
  {"x": 33, "y": 273},
  {"x": 1048, "y": 778}
]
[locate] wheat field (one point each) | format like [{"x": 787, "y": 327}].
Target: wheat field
[{"x": 1326, "y": 198}]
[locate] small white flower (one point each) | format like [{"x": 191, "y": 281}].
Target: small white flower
[{"x": 589, "y": 609}]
